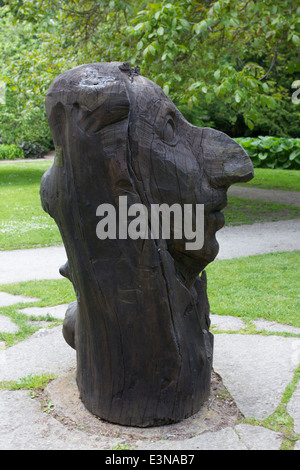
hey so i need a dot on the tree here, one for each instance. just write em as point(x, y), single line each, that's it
point(227, 55)
point(22, 117)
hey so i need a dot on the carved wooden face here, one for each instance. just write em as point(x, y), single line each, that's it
point(137, 143)
point(179, 162)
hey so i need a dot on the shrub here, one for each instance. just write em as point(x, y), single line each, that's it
point(32, 149)
point(272, 152)
point(10, 152)
point(28, 125)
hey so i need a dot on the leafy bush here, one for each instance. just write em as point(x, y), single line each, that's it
point(29, 125)
point(272, 152)
point(32, 149)
point(10, 152)
point(282, 121)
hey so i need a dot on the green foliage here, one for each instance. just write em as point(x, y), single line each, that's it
point(282, 121)
point(23, 116)
point(272, 152)
point(32, 149)
point(234, 61)
point(10, 152)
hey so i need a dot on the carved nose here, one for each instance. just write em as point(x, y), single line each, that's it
point(225, 161)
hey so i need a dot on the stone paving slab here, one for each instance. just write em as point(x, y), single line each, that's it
point(7, 325)
point(230, 323)
point(241, 437)
point(44, 352)
point(226, 322)
point(58, 311)
point(27, 427)
point(258, 437)
point(256, 369)
point(8, 299)
point(262, 324)
point(226, 439)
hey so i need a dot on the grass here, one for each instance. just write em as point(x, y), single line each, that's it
point(50, 293)
point(241, 211)
point(25, 326)
point(259, 286)
point(31, 382)
point(23, 223)
point(280, 420)
point(122, 447)
point(284, 180)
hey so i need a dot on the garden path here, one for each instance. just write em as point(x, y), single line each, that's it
point(254, 368)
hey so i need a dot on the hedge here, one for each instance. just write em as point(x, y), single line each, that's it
point(23, 150)
point(32, 149)
point(264, 151)
point(10, 152)
point(272, 152)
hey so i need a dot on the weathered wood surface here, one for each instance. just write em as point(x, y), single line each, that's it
point(140, 325)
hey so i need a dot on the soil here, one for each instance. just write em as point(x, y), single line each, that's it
point(61, 400)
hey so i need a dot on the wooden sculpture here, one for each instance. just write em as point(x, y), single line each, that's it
point(140, 325)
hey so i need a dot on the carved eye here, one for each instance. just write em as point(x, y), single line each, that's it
point(168, 131)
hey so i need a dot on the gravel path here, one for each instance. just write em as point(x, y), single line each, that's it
point(235, 241)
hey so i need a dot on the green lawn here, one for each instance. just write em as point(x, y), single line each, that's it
point(260, 286)
point(247, 211)
point(24, 224)
point(285, 180)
